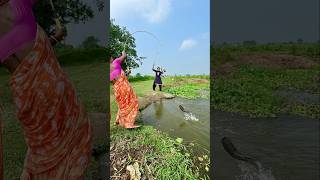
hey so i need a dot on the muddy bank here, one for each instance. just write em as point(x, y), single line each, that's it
point(275, 61)
point(152, 97)
point(149, 98)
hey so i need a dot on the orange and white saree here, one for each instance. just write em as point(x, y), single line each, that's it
point(127, 101)
point(56, 128)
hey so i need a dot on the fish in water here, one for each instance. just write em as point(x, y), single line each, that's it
point(182, 109)
point(188, 115)
point(233, 152)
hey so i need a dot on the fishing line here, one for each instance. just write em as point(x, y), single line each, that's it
point(141, 31)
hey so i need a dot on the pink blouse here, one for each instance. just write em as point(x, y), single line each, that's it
point(117, 69)
point(23, 31)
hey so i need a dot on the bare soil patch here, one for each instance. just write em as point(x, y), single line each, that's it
point(277, 61)
point(266, 60)
point(183, 81)
point(152, 97)
point(122, 156)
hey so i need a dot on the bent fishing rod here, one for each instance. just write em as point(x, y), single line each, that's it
point(139, 31)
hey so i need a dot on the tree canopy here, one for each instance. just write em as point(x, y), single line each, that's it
point(120, 39)
point(74, 11)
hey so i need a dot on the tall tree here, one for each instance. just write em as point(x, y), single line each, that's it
point(120, 39)
point(74, 11)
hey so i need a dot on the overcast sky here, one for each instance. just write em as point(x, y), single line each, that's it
point(93, 27)
point(264, 20)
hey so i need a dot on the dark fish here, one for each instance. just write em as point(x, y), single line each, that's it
point(233, 152)
point(182, 109)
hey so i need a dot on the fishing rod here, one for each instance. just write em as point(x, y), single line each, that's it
point(140, 31)
point(56, 16)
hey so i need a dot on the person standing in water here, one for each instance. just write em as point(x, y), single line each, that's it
point(56, 128)
point(157, 80)
point(125, 96)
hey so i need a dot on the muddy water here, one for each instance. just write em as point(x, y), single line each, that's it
point(285, 147)
point(193, 127)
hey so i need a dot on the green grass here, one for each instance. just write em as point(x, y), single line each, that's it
point(189, 91)
point(182, 86)
point(89, 81)
point(172, 162)
point(79, 56)
point(140, 78)
point(250, 91)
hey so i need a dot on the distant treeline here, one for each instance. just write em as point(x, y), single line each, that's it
point(88, 43)
point(78, 56)
point(87, 52)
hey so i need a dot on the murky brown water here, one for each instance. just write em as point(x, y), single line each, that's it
point(285, 147)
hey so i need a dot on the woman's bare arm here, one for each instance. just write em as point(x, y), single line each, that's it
point(59, 33)
point(123, 56)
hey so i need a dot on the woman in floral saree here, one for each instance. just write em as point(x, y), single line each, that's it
point(125, 96)
point(56, 128)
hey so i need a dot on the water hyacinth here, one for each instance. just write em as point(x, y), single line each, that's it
point(179, 140)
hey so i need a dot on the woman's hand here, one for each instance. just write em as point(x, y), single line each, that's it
point(59, 31)
point(59, 34)
point(124, 55)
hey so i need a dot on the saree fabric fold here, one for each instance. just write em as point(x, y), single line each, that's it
point(127, 102)
point(56, 128)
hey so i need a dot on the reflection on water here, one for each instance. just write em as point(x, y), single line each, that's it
point(286, 147)
point(193, 127)
point(158, 109)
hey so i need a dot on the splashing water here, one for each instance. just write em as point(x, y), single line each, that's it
point(249, 172)
point(190, 116)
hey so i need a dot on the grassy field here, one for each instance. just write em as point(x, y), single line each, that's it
point(164, 158)
point(88, 77)
point(247, 78)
